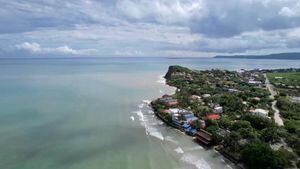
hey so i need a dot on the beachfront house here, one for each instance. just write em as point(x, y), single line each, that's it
point(169, 101)
point(204, 137)
point(189, 117)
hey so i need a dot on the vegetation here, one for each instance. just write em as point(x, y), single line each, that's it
point(245, 136)
point(287, 83)
point(259, 155)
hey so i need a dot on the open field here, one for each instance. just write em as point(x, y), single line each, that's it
point(288, 79)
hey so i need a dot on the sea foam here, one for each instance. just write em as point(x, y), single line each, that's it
point(199, 163)
point(161, 79)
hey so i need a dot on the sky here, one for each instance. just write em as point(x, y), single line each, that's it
point(148, 28)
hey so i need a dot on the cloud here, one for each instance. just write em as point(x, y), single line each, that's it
point(286, 11)
point(32, 47)
point(147, 28)
point(162, 11)
point(65, 50)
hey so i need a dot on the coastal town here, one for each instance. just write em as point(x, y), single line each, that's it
point(252, 117)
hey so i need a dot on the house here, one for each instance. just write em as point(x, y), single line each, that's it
point(218, 109)
point(189, 117)
point(167, 97)
point(172, 102)
point(206, 95)
point(213, 116)
point(260, 112)
point(169, 100)
point(256, 99)
point(175, 120)
point(189, 129)
point(165, 111)
point(202, 124)
point(233, 90)
point(254, 82)
point(174, 110)
point(195, 97)
point(204, 137)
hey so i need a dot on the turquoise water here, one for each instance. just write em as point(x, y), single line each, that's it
point(92, 114)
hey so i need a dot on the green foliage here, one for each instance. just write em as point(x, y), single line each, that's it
point(294, 142)
point(270, 134)
point(225, 122)
point(211, 129)
point(241, 124)
point(231, 142)
point(260, 156)
point(210, 122)
point(288, 109)
point(292, 78)
point(258, 122)
point(231, 103)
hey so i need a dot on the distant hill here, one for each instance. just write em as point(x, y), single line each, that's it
point(288, 56)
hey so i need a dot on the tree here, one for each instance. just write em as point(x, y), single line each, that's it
point(257, 122)
point(270, 134)
point(241, 124)
point(259, 155)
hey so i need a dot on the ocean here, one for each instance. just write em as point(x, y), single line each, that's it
point(92, 113)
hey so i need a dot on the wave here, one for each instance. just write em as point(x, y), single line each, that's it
point(199, 163)
point(147, 101)
point(140, 114)
point(198, 147)
point(132, 118)
point(161, 79)
point(179, 150)
point(145, 116)
point(171, 139)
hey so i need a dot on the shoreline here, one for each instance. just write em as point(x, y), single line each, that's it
point(226, 156)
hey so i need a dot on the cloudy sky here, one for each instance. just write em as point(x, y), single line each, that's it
point(107, 28)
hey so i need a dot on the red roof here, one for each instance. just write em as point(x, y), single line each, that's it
point(213, 116)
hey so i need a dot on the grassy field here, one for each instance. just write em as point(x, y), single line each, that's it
point(289, 79)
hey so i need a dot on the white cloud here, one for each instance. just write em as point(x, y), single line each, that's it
point(147, 28)
point(129, 52)
point(163, 11)
point(34, 47)
point(286, 11)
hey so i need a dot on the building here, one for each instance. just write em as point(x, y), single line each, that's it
point(204, 137)
point(213, 116)
point(195, 97)
point(218, 109)
point(233, 90)
point(254, 82)
point(260, 112)
point(165, 111)
point(169, 100)
point(189, 117)
point(170, 103)
point(206, 95)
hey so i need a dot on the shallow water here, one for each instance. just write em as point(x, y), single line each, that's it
point(92, 113)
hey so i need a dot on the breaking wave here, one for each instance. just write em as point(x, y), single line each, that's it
point(199, 163)
point(161, 79)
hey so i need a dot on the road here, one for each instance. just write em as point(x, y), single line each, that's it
point(277, 118)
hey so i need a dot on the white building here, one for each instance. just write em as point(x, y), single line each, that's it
point(206, 95)
point(261, 112)
point(218, 109)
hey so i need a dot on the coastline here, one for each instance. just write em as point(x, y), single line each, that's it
point(207, 106)
point(230, 159)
